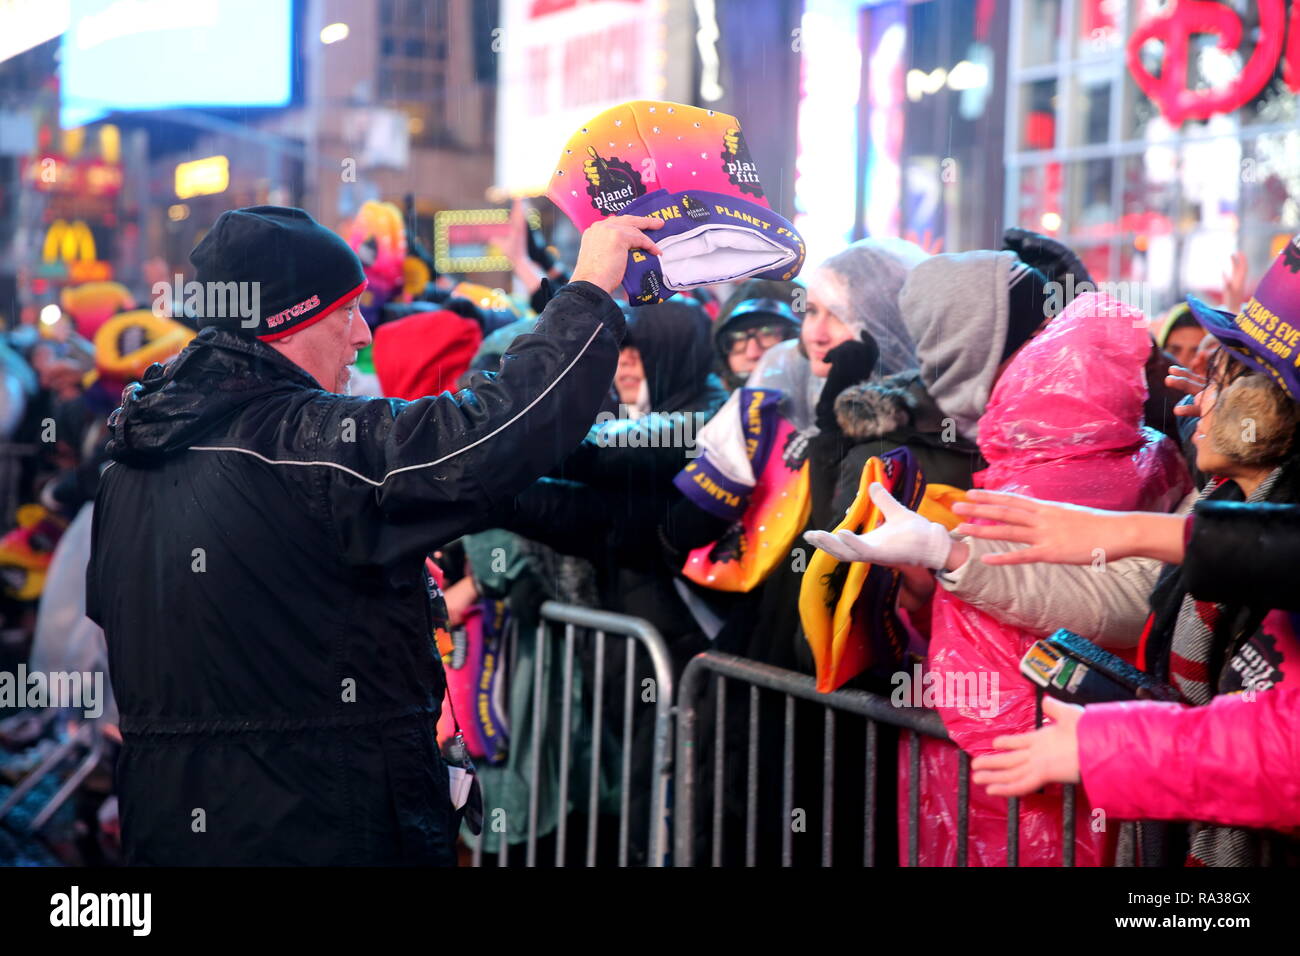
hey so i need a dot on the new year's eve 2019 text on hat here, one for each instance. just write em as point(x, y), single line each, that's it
point(1265, 334)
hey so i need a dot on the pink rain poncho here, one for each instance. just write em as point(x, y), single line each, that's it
point(1063, 423)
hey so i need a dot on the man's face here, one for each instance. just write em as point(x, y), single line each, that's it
point(821, 331)
point(629, 375)
point(746, 343)
point(1182, 343)
point(327, 349)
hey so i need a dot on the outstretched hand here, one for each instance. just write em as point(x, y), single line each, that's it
point(602, 257)
point(1056, 533)
point(1029, 761)
point(904, 537)
point(1070, 534)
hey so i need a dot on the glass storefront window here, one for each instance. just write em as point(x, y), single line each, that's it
point(1040, 32)
point(1091, 206)
point(1099, 27)
point(1270, 181)
point(1038, 115)
point(1206, 259)
point(1210, 180)
point(1090, 117)
point(1039, 204)
point(1149, 185)
point(1096, 258)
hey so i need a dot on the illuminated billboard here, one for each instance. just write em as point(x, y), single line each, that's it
point(159, 54)
point(563, 62)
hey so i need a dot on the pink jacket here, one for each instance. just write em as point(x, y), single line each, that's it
point(1235, 761)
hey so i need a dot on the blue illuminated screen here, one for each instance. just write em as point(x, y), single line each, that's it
point(165, 54)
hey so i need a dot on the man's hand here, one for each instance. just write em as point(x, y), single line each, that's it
point(602, 257)
point(1188, 382)
point(1028, 761)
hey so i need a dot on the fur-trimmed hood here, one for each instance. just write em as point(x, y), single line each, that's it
point(897, 406)
point(872, 409)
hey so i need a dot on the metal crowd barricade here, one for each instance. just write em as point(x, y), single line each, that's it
point(604, 627)
point(875, 709)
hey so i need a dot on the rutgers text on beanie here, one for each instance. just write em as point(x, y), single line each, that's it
point(302, 270)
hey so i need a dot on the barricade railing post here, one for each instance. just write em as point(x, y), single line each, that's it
point(683, 806)
point(963, 806)
point(787, 785)
point(869, 788)
point(1067, 827)
point(597, 728)
point(636, 632)
point(566, 733)
point(828, 782)
point(719, 768)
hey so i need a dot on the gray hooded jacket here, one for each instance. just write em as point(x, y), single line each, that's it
point(955, 307)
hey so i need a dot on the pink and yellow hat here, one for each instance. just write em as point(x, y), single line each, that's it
point(691, 168)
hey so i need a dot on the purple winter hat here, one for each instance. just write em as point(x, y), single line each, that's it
point(1265, 334)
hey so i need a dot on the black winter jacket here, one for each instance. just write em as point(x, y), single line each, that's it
point(257, 567)
point(877, 417)
point(1244, 554)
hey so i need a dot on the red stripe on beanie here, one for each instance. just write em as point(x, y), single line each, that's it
point(272, 336)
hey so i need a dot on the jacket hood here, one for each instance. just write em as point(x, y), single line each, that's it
point(861, 284)
point(424, 353)
point(176, 405)
point(955, 307)
point(1065, 420)
point(673, 339)
point(898, 407)
point(874, 409)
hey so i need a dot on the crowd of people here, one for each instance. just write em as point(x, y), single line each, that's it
point(899, 461)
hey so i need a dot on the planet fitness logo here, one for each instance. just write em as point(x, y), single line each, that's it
point(611, 183)
point(738, 164)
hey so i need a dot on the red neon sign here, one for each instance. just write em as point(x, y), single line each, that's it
point(1176, 24)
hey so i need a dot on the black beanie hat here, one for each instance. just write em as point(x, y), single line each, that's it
point(301, 271)
point(1026, 306)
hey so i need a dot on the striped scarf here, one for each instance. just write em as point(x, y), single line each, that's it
point(1189, 667)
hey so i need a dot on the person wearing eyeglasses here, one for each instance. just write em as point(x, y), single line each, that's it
point(756, 317)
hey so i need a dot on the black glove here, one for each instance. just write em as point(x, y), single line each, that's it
point(537, 250)
point(851, 362)
point(545, 292)
point(1053, 259)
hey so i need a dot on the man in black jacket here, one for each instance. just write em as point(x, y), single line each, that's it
point(257, 557)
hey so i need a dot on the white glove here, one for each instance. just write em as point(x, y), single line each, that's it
point(904, 538)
